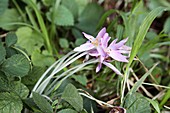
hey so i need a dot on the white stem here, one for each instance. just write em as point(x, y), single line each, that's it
point(72, 71)
point(60, 66)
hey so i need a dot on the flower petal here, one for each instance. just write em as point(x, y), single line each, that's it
point(94, 52)
point(101, 51)
point(101, 33)
point(124, 47)
point(112, 67)
point(105, 40)
point(113, 43)
point(117, 56)
point(99, 66)
point(84, 47)
point(121, 43)
point(89, 37)
point(123, 51)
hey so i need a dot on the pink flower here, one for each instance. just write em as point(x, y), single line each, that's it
point(93, 43)
point(99, 48)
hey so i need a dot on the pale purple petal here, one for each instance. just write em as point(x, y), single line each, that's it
point(124, 47)
point(89, 37)
point(85, 47)
point(123, 51)
point(117, 56)
point(94, 52)
point(101, 33)
point(112, 44)
point(102, 59)
point(99, 66)
point(112, 67)
point(101, 51)
point(105, 40)
point(121, 43)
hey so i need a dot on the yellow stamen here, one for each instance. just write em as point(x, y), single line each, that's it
point(95, 42)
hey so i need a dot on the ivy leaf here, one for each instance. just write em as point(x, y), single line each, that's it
point(81, 79)
point(72, 6)
point(72, 96)
point(42, 103)
point(3, 6)
point(20, 89)
point(3, 82)
point(67, 111)
point(80, 41)
point(2, 52)
point(63, 43)
point(81, 5)
point(10, 103)
point(62, 16)
point(33, 75)
point(10, 39)
point(16, 87)
point(87, 20)
point(137, 103)
point(29, 39)
point(16, 66)
point(10, 52)
point(42, 59)
point(8, 18)
point(48, 2)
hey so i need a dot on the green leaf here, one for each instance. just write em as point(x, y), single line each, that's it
point(80, 41)
point(10, 52)
point(3, 6)
point(48, 2)
point(120, 30)
point(81, 5)
point(42, 59)
point(166, 27)
point(81, 79)
point(72, 6)
point(10, 103)
point(9, 16)
point(20, 89)
point(2, 52)
point(16, 66)
point(10, 39)
point(136, 103)
point(42, 103)
point(72, 96)
point(33, 75)
point(165, 98)
point(62, 16)
point(87, 22)
point(29, 39)
point(3, 82)
point(16, 87)
point(140, 81)
point(154, 104)
point(104, 16)
point(77, 33)
point(63, 43)
point(67, 111)
point(143, 31)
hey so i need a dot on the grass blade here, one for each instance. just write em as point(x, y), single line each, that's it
point(143, 30)
point(139, 83)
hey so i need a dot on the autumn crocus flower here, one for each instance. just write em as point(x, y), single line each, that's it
point(99, 48)
point(115, 51)
point(93, 43)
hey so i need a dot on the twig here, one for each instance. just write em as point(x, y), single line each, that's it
point(3, 35)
